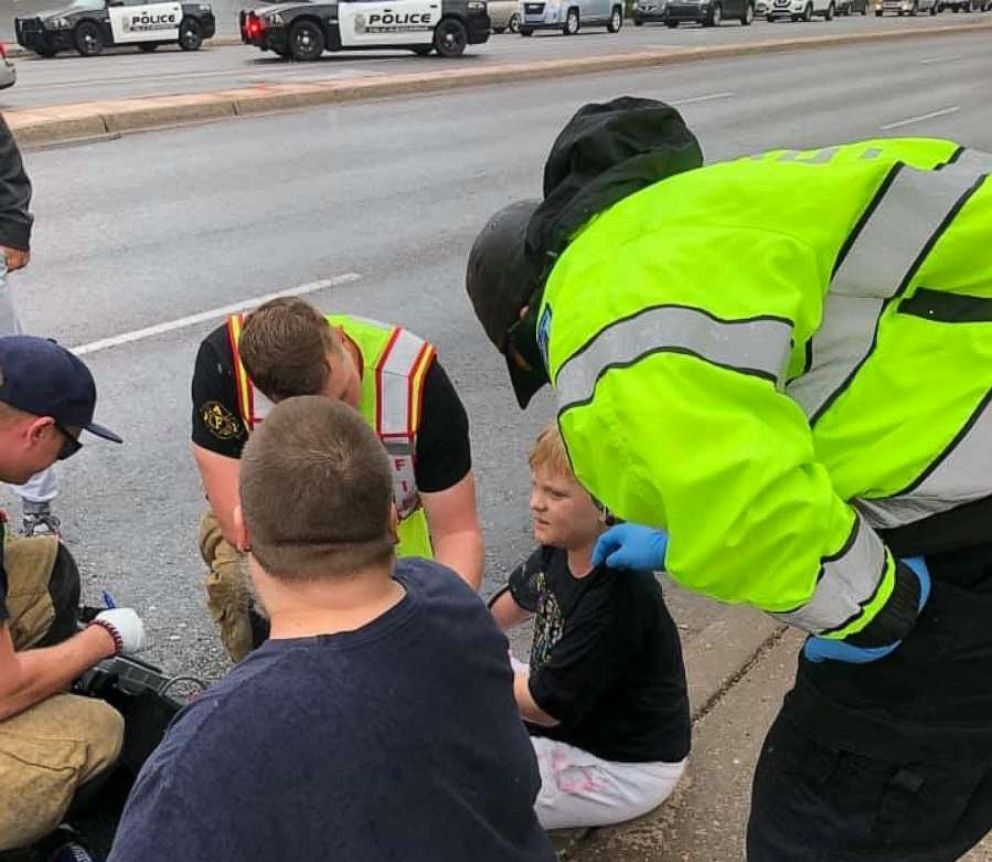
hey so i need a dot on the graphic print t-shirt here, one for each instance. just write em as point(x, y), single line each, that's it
point(605, 661)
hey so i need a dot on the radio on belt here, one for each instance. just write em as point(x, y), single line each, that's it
point(303, 30)
point(88, 26)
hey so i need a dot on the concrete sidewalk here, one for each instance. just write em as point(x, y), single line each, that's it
point(705, 820)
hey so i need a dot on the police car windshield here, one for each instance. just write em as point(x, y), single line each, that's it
point(86, 5)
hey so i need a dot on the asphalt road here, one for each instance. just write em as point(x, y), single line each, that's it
point(128, 73)
point(152, 228)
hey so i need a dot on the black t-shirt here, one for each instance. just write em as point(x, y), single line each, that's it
point(399, 740)
point(606, 660)
point(443, 455)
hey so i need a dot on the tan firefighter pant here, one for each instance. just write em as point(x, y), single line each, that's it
point(50, 750)
point(228, 595)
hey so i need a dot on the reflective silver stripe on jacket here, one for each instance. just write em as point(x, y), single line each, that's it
point(393, 378)
point(756, 346)
point(972, 160)
point(879, 264)
point(961, 474)
point(847, 583)
point(394, 382)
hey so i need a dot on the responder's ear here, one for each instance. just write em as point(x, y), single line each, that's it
point(37, 428)
point(241, 537)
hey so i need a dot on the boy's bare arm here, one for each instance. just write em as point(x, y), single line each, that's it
point(507, 613)
point(529, 710)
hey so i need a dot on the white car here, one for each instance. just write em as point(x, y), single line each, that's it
point(569, 15)
point(8, 74)
point(800, 10)
point(905, 7)
point(504, 15)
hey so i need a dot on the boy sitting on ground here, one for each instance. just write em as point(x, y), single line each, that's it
point(376, 722)
point(604, 696)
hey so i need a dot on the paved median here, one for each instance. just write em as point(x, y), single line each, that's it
point(88, 120)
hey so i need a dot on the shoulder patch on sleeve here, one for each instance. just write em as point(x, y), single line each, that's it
point(220, 421)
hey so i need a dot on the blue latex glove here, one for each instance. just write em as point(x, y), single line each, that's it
point(631, 546)
point(821, 649)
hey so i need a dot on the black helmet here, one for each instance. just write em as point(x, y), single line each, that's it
point(501, 281)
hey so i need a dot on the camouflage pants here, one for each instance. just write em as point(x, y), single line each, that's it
point(228, 595)
point(49, 751)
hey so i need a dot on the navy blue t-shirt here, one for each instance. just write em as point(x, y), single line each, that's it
point(398, 741)
point(3, 579)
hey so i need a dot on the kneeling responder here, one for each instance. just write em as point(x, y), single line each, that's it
point(287, 348)
point(789, 357)
point(51, 743)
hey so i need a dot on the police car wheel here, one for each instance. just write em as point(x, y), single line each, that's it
point(514, 25)
point(306, 41)
point(148, 47)
point(89, 39)
point(450, 38)
point(190, 34)
point(616, 20)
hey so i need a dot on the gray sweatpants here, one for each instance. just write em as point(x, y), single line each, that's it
point(42, 487)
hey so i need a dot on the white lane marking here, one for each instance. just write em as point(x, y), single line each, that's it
point(695, 99)
point(223, 311)
point(945, 59)
point(943, 112)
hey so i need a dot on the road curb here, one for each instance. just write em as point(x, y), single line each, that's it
point(60, 123)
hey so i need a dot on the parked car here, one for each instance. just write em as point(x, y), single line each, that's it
point(303, 30)
point(905, 7)
point(709, 13)
point(8, 74)
point(88, 26)
point(800, 10)
point(570, 15)
point(504, 15)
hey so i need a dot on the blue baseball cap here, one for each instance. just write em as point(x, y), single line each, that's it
point(42, 378)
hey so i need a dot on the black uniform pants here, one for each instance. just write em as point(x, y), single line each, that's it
point(814, 802)
point(891, 761)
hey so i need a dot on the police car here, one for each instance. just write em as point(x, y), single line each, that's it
point(88, 26)
point(303, 30)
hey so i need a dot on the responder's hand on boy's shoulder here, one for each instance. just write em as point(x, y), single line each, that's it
point(631, 546)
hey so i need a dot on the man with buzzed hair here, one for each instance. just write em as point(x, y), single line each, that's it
point(377, 722)
point(287, 348)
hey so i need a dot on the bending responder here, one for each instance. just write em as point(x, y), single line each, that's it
point(51, 743)
point(781, 365)
point(38, 492)
point(287, 348)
